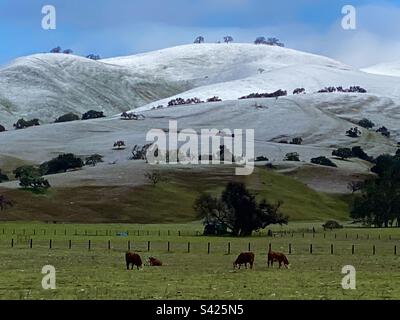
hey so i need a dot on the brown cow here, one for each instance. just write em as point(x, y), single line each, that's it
point(134, 259)
point(155, 262)
point(278, 257)
point(244, 258)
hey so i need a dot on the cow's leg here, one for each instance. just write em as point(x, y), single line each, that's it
point(251, 265)
point(127, 265)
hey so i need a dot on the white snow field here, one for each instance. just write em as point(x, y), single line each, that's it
point(48, 85)
point(387, 69)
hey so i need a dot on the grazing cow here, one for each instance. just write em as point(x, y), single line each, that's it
point(244, 258)
point(278, 257)
point(134, 259)
point(155, 262)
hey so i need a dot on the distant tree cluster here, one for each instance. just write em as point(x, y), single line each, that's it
point(269, 41)
point(228, 39)
point(353, 89)
point(132, 116)
point(22, 124)
point(2, 129)
point(299, 91)
point(355, 152)
point(199, 39)
point(275, 94)
point(93, 56)
point(140, 152)
point(180, 101)
point(353, 132)
point(93, 114)
point(3, 177)
point(60, 50)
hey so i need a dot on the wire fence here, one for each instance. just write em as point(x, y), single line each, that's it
point(219, 247)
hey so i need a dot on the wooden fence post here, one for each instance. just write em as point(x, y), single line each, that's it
point(109, 244)
point(311, 248)
point(290, 248)
point(69, 244)
point(129, 245)
point(395, 250)
point(373, 250)
point(229, 248)
point(249, 246)
point(332, 248)
point(208, 248)
point(188, 247)
point(168, 246)
point(31, 243)
point(352, 249)
point(50, 244)
point(12, 243)
point(148, 245)
point(89, 244)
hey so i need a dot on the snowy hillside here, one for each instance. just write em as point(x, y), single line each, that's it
point(49, 85)
point(46, 86)
point(388, 69)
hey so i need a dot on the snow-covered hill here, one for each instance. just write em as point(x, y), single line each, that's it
point(387, 69)
point(47, 86)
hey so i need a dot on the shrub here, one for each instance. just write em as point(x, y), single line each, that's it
point(332, 224)
point(365, 123)
point(92, 114)
point(384, 131)
point(323, 161)
point(67, 117)
point(342, 153)
point(353, 132)
point(292, 156)
point(199, 39)
point(22, 124)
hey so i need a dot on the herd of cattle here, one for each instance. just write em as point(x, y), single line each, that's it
point(245, 258)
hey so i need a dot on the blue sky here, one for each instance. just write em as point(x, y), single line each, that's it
point(122, 27)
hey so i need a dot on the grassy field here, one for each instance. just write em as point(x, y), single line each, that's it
point(100, 273)
point(170, 201)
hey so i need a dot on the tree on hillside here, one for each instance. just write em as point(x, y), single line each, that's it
point(379, 202)
point(68, 51)
point(323, 161)
point(366, 123)
point(260, 40)
point(199, 39)
point(56, 50)
point(238, 211)
point(93, 56)
point(353, 132)
point(62, 163)
point(292, 156)
point(228, 39)
point(342, 153)
point(31, 177)
point(2, 129)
